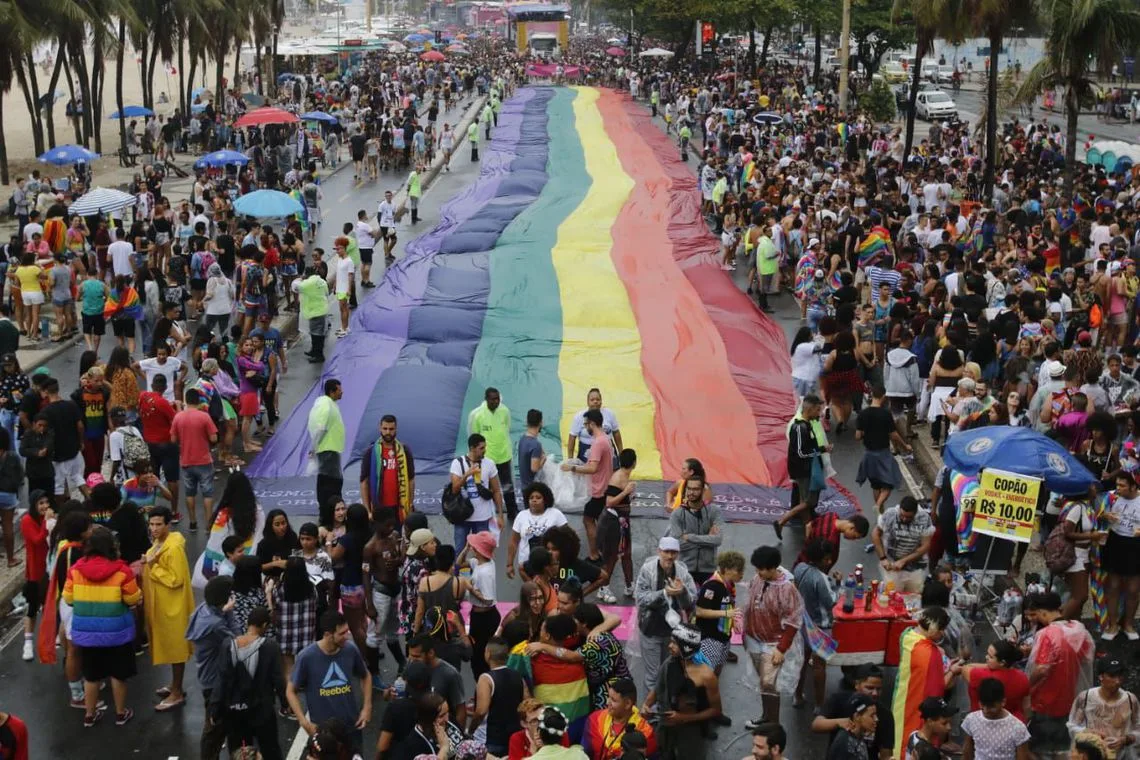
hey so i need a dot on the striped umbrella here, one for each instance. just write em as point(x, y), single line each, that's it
point(102, 200)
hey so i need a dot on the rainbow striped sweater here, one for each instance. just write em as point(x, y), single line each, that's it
point(101, 593)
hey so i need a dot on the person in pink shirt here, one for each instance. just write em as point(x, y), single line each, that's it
point(194, 433)
point(1072, 426)
point(599, 467)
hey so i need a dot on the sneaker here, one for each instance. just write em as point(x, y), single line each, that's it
point(29, 654)
point(79, 704)
point(1131, 635)
point(177, 518)
point(753, 724)
point(1108, 635)
point(91, 720)
point(124, 717)
point(629, 590)
point(604, 595)
point(341, 333)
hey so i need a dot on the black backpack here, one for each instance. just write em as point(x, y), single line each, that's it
point(242, 696)
point(457, 506)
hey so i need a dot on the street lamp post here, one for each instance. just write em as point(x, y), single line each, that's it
point(844, 55)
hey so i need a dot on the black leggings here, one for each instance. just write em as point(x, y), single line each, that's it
point(268, 397)
point(483, 627)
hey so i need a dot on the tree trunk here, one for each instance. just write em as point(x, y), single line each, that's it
point(236, 84)
point(1072, 117)
point(752, 48)
point(188, 92)
point(120, 55)
point(84, 90)
point(818, 31)
point(991, 116)
point(764, 50)
point(182, 104)
point(71, 93)
point(4, 178)
point(144, 55)
point(33, 107)
point(257, 67)
point(34, 88)
point(51, 89)
point(148, 83)
point(220, 75)
point(98, 77)
point(912, 98)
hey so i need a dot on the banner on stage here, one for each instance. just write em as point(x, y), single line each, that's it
point(1005, 505)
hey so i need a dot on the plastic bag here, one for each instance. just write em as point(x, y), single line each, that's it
point(571, 492)
point(789, 674)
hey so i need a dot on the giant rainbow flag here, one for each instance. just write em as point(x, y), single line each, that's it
point(579, 258)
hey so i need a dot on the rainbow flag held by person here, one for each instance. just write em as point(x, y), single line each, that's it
point(963, 487)
point(562, 685)
point(844, 133)
point(872, 248)
point(1052, 257)
point(123, 303)
point(519, 661)
point(921, 675)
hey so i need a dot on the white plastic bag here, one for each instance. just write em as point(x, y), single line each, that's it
point(571, 492)
point(789, 675)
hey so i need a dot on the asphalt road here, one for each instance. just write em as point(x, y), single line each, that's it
point(971, 103)
point(37, 693)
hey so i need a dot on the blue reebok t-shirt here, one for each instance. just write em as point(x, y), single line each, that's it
point(327, 682)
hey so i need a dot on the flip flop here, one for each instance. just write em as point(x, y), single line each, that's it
point(165, 706)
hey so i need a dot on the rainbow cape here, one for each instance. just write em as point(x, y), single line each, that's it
point(562, 685)
point(921, 675)
point(519, 661)
point(963, 486)
point(872, 248)
point(844, 133)
point(123, 303)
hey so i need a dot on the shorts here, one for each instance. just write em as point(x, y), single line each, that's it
point(32, 297)
point(807, 496)
point(594, 507)
point(342, 296)
point(117, 662)
point(612, 534)
point(164, 457)
point(66, 613)
point(761, 654)
point(352, 597)
point(254, 307)
point(123, 328)
point(385, 625)
point(388, 233)
point(1121, 555)
point(1048, 735)
point(196, 284)
point(365, 255)
point(198, 478)
point(34, 595)
point(248, 404)
point(1113, 319)
point(68, 475)
point(62, 304)
point(94, 324)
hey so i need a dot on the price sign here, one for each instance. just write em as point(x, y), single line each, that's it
point(1005, 505)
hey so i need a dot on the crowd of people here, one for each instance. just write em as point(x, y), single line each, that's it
point(923, 303)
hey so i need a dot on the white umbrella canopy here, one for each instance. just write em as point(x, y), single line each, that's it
point(656, 53)
point(102, 200)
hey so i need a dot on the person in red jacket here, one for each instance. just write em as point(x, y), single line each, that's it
point(13, 738)
point(34, 528)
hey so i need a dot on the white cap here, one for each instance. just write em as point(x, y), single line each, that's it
point(813, 242)
point(669, 544)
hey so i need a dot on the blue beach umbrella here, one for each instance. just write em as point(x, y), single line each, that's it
point(267, 204)
point(221, 158)
point(318, 116)
point(62, 155)
point(132, 112)
point(1019, 450)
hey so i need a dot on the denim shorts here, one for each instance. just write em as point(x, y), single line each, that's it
point(198, 478)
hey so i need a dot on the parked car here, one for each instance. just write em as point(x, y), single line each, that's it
point(935, 104)
point(945, 75)
point(902, 94)
point(893, 73)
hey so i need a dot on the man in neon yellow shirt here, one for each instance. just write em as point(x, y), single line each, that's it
point(473, 138)
point(767, 264)
point(313, 294)
point(486, 117)
point(415, 191)
point(326, 431)
point(492, 420)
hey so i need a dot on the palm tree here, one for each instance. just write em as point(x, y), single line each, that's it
point(992, 19)
point(931, 19)
point(1082, 35)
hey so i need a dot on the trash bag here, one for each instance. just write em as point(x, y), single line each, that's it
point(571, 492)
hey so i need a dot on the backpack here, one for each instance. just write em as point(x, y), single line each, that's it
point(1059, 552)
point(12, 205)
point(457, 506)
point(251, 282)
point(135, 449)
point(242, 697)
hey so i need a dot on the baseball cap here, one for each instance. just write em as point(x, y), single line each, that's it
point(419, 539)
point(1109, 666)
point(669, 544)
point(813, 243)
point(935, 707)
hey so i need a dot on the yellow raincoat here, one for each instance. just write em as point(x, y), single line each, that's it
point(168, 600)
